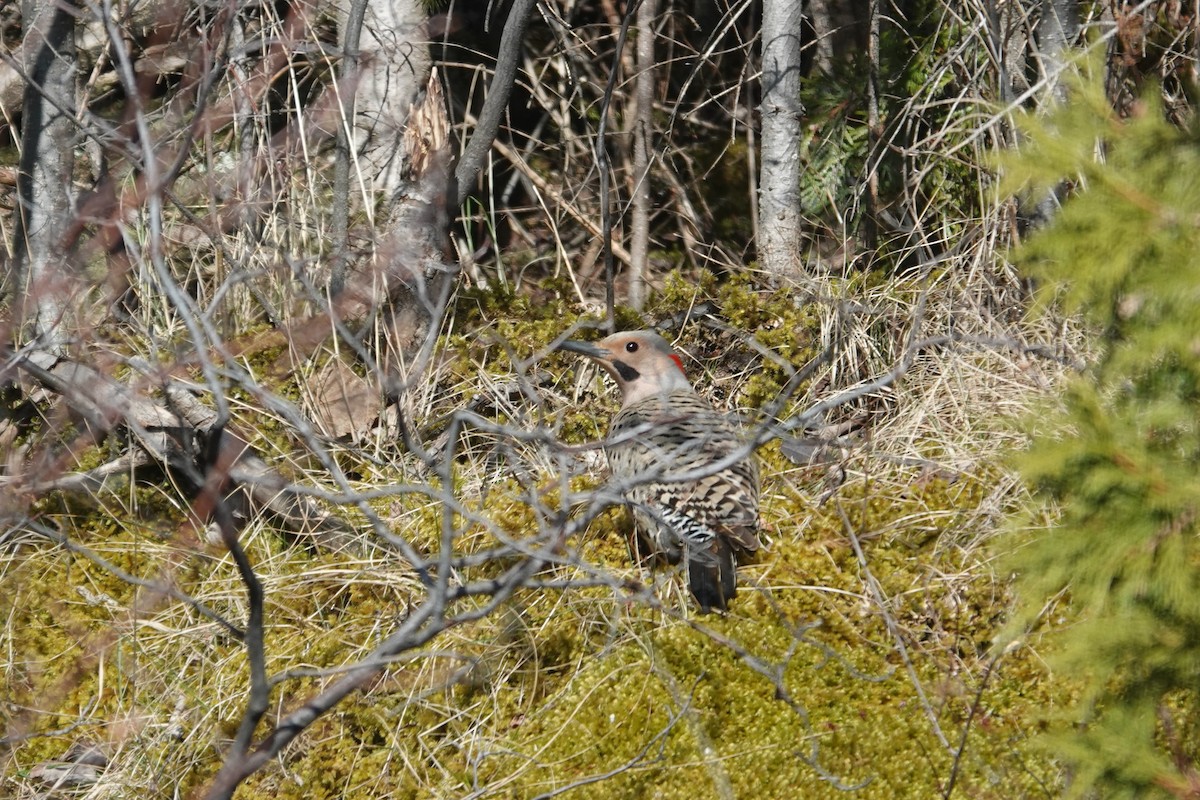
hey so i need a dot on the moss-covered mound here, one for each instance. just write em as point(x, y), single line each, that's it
point(858, 654)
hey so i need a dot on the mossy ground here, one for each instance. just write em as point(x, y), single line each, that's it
point(829, 669)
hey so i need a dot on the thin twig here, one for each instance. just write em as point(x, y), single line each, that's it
point(511, 42)
point(893, 627)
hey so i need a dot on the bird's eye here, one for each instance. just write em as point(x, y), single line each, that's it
point(631, 347)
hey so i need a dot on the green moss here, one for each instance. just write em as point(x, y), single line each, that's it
point(672, 702)
point(561, 687)
point(556, 686)
point(661, 694)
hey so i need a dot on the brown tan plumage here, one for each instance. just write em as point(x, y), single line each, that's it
point(687, 472)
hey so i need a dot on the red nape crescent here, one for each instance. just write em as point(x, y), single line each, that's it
point(678, 362)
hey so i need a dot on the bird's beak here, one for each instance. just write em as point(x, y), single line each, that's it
point(583, 348)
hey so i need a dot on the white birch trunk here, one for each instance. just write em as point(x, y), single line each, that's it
point(393, 67)
point(779, 221)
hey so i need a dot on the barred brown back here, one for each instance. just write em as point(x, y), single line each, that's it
point(668, 454)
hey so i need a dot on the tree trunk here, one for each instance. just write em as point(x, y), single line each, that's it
point(46, 166)
point(779, 222)
point(393, 65)
point(841, 30)
point(643, 122)
point(1057, 30)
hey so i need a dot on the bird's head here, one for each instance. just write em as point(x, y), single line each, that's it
point(641, 362)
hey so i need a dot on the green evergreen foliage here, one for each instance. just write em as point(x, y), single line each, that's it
point(1117, 458)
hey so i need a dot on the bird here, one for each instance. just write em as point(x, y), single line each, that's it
point(689, 475)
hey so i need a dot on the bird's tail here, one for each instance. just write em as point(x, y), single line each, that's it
point(711, 575)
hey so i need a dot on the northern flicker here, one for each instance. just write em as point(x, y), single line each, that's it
point(675, 458)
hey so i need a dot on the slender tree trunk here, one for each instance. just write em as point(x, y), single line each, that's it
point(841, 30)
point(1057, 30)
point(874, 129)
point(385, 65)
point(393, 67)
point(46, 166)
point(642, 133)
point(781, 110)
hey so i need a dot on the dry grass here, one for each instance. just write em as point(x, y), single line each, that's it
point(947, 419)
